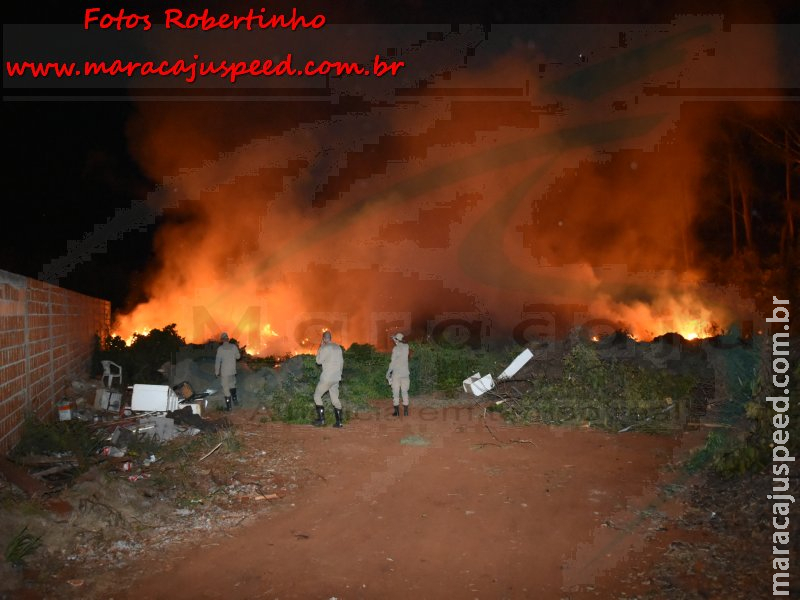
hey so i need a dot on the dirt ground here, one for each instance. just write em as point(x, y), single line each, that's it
point(445, 503)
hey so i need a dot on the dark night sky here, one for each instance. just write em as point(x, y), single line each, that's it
point(67, 163)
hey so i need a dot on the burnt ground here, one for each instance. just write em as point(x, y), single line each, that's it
point(446, 503)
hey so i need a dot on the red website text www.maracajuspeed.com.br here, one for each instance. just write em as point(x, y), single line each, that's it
point(191, 70)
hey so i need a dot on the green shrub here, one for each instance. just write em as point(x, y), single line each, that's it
point(292, 401)
point(442, 369)
point(364, 376)
point(748, 446)
point(609, 395)
point(21, 547)
point(141, 359)
point(289, 407)
point(74, 437)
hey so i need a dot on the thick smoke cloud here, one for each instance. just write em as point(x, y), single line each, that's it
point(523, 167)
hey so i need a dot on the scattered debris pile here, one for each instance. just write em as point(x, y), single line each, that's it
point(478, 385)
point(79, 495)
point(614, 383)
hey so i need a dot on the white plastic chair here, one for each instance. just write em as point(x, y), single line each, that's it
point(111, 370)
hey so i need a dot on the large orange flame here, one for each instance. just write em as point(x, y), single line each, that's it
point(384, 218)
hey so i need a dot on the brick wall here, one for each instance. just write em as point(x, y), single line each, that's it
point(46, 341)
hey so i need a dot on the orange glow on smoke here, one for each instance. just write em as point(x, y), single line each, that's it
point(410, 212)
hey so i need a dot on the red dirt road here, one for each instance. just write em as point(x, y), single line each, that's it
point(434, 505)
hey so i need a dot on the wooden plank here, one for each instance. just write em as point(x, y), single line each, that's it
point(32, 486)
point(20, 478)
point(39, 461)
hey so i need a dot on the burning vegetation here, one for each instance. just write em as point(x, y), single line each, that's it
point(652, 214)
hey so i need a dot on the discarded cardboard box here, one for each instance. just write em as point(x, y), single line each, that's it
point(184, 390)
point(159, 428)
point(516, 365)
point(187, 394)
point(197, 408)
point(478, 385)
point(107, 400)
point(153, 398)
